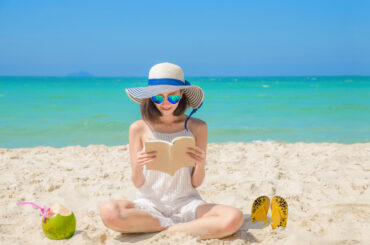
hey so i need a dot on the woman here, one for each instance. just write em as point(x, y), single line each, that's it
point(167, 202)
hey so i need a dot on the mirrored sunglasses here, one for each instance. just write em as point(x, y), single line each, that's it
point(173, 99)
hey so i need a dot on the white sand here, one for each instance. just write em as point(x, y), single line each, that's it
point(326, 186)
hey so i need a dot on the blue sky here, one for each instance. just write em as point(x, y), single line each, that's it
point(206, 38)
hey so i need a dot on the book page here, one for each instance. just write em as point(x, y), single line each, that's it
point(162, 161)
point(179, 158)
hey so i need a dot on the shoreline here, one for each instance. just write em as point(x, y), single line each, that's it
point(326, 186)
point(258, 142)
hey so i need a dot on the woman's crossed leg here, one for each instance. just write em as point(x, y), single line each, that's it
point(212, 220)
point(122, 216)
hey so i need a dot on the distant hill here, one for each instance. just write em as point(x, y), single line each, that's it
point(80, 74)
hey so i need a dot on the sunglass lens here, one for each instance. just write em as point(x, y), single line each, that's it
point(174, 99)
point(157, 99)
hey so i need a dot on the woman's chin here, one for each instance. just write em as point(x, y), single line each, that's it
point(166, 112)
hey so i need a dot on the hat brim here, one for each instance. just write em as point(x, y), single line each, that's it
point(194, 94)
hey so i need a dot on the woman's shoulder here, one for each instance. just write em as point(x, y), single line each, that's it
point(197, 125)
point(137, 126)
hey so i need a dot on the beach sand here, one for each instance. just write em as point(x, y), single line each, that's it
point(326, 186)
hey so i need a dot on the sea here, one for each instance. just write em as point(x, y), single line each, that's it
point(65, 111)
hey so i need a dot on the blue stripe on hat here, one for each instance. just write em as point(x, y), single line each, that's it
point(164, 81)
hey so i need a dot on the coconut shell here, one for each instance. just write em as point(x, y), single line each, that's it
point(59, 226)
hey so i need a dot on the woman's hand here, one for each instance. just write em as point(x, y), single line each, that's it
point(198, 154)
point(143, 158)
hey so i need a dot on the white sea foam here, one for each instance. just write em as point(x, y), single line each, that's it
point(266, 142)
point(262, 142)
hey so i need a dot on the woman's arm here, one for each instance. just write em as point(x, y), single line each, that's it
point(200, 131)
point(135, 146)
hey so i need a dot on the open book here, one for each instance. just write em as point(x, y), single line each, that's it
point(170, 156)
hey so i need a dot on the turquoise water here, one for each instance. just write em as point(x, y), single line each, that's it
point(61, 111)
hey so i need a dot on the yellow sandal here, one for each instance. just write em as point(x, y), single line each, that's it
point(279, 212)
point(260, 209)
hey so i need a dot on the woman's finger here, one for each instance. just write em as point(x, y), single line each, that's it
point(194, 156)
point(197, 150)
point(150, 155)
point(198, 154)
point(193, 151)
point(146, 155)
point(200, 150)
point(146, 162)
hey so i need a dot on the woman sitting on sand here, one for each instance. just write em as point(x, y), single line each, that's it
point(168, 202)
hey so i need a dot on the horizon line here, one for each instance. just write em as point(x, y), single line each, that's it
point(205, 76)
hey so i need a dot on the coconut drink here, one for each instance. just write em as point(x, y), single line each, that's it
point(57, 222)
point(60, 223)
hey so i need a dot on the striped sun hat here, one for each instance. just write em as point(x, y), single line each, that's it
point(165, 77)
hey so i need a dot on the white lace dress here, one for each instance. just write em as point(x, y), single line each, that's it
point(170, 199)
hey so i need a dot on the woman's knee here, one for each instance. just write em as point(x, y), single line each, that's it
point(233, 219)
point(109, 212)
